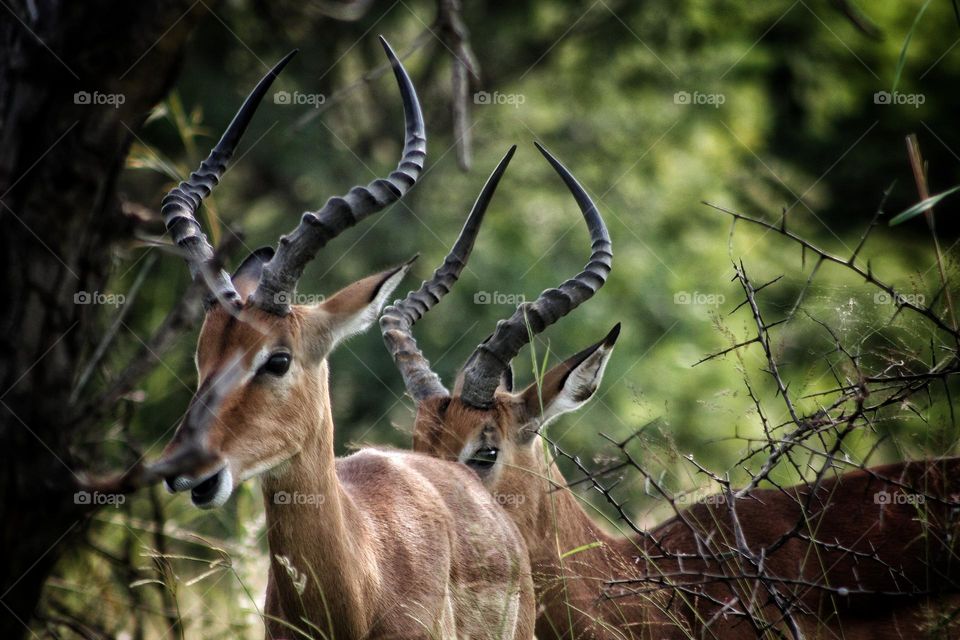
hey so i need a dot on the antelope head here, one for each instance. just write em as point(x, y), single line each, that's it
point(484, 422)
point(262, 359)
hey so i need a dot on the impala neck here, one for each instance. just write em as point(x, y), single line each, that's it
point(313, 523)
point(575, 582)
point(562, 526)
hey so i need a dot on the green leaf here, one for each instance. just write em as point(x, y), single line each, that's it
point(583, 547)
point(922, 206)
point(906, 45)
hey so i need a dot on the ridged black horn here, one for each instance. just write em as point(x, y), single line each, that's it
point(278, 283)
point(180, 205)
point(398, 319)
point(481, 374)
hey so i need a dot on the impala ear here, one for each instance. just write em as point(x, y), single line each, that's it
point(356, 307)
point(247, 275)
point(570, 384)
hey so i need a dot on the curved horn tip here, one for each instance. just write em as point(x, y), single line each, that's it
point(505, 160)
point(552, 159)
point(566, 175)
point(598, 228)
point(611, 338)
point(486, 194)
point(389, 50)
point(284, 60)
point(493, 180)
point(407, 90)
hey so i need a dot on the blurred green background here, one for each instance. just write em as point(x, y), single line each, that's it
point(655, 106)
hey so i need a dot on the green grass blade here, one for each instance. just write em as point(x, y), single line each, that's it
point(901, 62)
point(922, 206)
point(583, 547)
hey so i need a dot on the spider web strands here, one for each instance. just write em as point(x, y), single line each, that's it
point(850, 263)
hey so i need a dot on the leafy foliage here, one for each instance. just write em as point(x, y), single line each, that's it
point(774, 110)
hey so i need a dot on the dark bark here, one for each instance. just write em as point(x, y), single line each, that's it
point(59, 219)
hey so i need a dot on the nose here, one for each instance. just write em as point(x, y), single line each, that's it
point(176, 484)
point(175, 459)
point(206, 491)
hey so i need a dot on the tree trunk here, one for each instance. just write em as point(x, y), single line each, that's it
point(76, 80)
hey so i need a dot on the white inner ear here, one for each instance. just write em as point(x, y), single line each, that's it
point(363, 319)
point(580, 385)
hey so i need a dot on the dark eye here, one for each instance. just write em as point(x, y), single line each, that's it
point(277, 365)
point(483, 458)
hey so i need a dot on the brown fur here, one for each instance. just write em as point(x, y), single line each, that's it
point(392, 544)
point(571, 590)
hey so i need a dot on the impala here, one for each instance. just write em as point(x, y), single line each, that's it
point(380, 544)
point(840, 558)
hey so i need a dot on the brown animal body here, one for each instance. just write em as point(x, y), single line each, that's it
point(380, 544)
point(858, 555)
point(390, 544)
point(847, 565)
